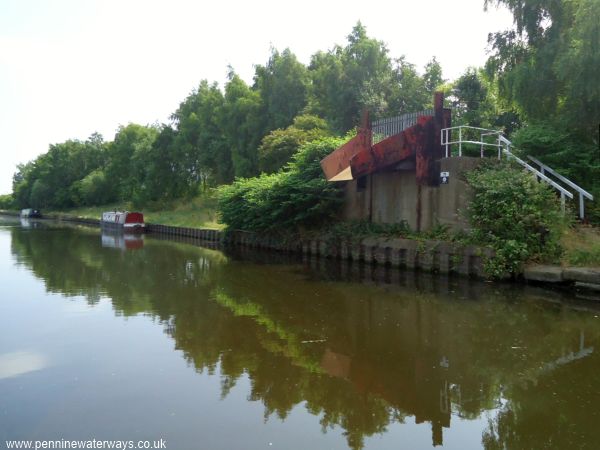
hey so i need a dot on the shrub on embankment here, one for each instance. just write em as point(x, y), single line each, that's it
point(7, 202)
point(520, 218)
point(298, 196)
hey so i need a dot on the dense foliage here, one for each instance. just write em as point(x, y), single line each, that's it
point(295, 197)
point(6, 202)
point(239, 130)
point(547, 68)
point(277, 148)
point(517, 216)
point(539, 86)
point(52, 178)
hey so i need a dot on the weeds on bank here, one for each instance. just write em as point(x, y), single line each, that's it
point(581, 246)
point(353, 232)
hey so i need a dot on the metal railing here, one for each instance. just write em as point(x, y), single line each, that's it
point(470, 135)
point(390, 126)
point(582, 192)
point(496, 139)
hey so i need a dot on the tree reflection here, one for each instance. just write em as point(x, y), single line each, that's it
point(361, 356)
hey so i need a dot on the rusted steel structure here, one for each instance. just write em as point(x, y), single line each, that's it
point(417, 144)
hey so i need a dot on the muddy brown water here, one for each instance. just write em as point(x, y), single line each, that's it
point(113, 337)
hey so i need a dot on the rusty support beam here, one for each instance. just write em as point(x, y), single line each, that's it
point(431, 149)
point(336, 165)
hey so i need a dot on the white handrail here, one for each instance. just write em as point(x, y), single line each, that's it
point(504, 147)
point(582, 192)
point(562, 178)
point(539, 174)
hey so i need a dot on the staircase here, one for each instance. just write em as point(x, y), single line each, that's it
point(455, 138)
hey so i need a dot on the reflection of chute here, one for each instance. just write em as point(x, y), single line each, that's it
point(123, 241)
point(336, 364)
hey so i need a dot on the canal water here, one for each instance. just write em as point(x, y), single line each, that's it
point(122, 338)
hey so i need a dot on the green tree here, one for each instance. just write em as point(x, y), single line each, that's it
point(22, 184)
point(277, 148)
point(347, 79)
point(93, 189)
point(283, 87)
point(469, 97)
point(433, 76)
point(241, 123)
point(578, 67)
point(548, 64)
point(408, 90)
point(7, 201)
point(163, 178)
point(327, 92)
point(200, 135)
point(50, 180)
point(128, 158)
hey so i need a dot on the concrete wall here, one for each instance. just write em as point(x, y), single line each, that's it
point(395, 196)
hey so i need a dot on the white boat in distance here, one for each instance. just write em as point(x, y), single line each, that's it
point(125, 220)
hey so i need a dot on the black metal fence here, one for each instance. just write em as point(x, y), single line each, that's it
point(389, 126)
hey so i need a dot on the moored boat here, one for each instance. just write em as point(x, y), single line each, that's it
point(123, 220)
point(31, 213)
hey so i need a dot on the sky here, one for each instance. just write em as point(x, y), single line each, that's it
point(69, 68)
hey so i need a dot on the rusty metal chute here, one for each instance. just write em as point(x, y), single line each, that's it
point(417, 140)
point(336, 165)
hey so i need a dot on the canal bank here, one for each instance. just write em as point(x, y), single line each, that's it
point(434, 256)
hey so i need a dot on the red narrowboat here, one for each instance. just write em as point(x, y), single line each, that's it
point(124, 220)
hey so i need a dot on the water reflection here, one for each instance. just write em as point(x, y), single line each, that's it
point(120, 240)
point(362, 349)
point(18, 363)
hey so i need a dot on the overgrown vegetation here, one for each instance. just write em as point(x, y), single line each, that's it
point(296, 197)
point(354, 231)
point(581, 246)
point(518, 217)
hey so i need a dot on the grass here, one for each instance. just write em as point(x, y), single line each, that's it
point(198, 212)
point(581, 246)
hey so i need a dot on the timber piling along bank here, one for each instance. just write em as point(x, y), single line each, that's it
point(427, 255)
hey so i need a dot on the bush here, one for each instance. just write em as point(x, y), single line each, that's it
point(278, 147)
point(7, 201)
point(517, 216)
point(298, 196)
